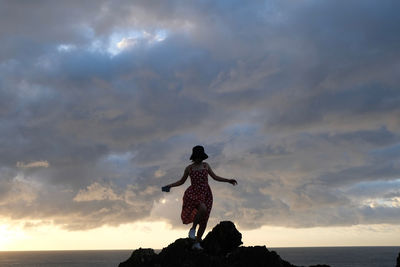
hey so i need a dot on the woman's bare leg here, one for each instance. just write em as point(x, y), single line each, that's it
point(201, 230)
point(201, 212)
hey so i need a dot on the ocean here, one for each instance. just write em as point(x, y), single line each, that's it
point(341, 256)
point(333, 256)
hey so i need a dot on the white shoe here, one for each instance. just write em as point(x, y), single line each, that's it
point(192, 233)
point(197, 246)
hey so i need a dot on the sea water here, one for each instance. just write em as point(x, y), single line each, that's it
point(333, 256)
point(341, 256)
point(77, 258)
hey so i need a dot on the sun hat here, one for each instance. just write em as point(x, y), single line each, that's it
point(198, 153)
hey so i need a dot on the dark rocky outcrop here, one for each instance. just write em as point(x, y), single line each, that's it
point(223, 239)
point(221, 249)
point(258, 256)
point(398, 261)
point(141, 257)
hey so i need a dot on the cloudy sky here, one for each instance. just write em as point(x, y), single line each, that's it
point(102, 101)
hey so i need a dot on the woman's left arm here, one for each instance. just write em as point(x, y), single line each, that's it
point(218, 178)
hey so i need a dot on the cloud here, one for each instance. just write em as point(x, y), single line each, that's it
point(17, 191)
point(96, 191)
point(297, 100)
point(34, 164)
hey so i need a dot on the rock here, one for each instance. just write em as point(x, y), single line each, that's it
point(223, 239)
point(180, 253)
point(140, 258)
point(257, 256)
point(398, 261)
point(221, 249)
point(320, 265)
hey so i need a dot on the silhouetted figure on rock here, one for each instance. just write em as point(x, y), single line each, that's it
point(198, 199)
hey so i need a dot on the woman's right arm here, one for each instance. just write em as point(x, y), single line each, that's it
point(182, 180)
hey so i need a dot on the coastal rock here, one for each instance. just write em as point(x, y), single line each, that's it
point(140, 258)
point(180, 253)
point(223, 239)
point(398, 261)
point(221, 249)
point(257, 256)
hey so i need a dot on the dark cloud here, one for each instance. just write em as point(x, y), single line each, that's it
point(299, 100)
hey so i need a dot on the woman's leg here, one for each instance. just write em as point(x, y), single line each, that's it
point(201, 230)
point(201, 212)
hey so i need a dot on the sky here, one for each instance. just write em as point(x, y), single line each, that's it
point(102, 101)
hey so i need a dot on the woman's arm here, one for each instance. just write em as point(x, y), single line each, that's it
point(182, 180)
point(218, 178)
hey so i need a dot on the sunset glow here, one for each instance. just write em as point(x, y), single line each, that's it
point(147, 235)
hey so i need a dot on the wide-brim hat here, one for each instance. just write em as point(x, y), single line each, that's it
point(198, 153)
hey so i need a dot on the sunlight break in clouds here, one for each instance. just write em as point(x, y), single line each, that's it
point(123, 41)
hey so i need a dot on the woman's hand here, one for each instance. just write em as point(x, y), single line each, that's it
point(165, 188)
point(232, 181)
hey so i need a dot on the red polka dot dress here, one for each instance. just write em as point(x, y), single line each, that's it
point(198, 192)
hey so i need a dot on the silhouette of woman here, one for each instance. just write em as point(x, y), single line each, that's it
point(198, 199)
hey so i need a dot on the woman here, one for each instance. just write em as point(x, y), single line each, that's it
point(198, 199)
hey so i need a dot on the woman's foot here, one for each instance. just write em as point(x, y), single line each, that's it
point(192, 233)
point(197, 246)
